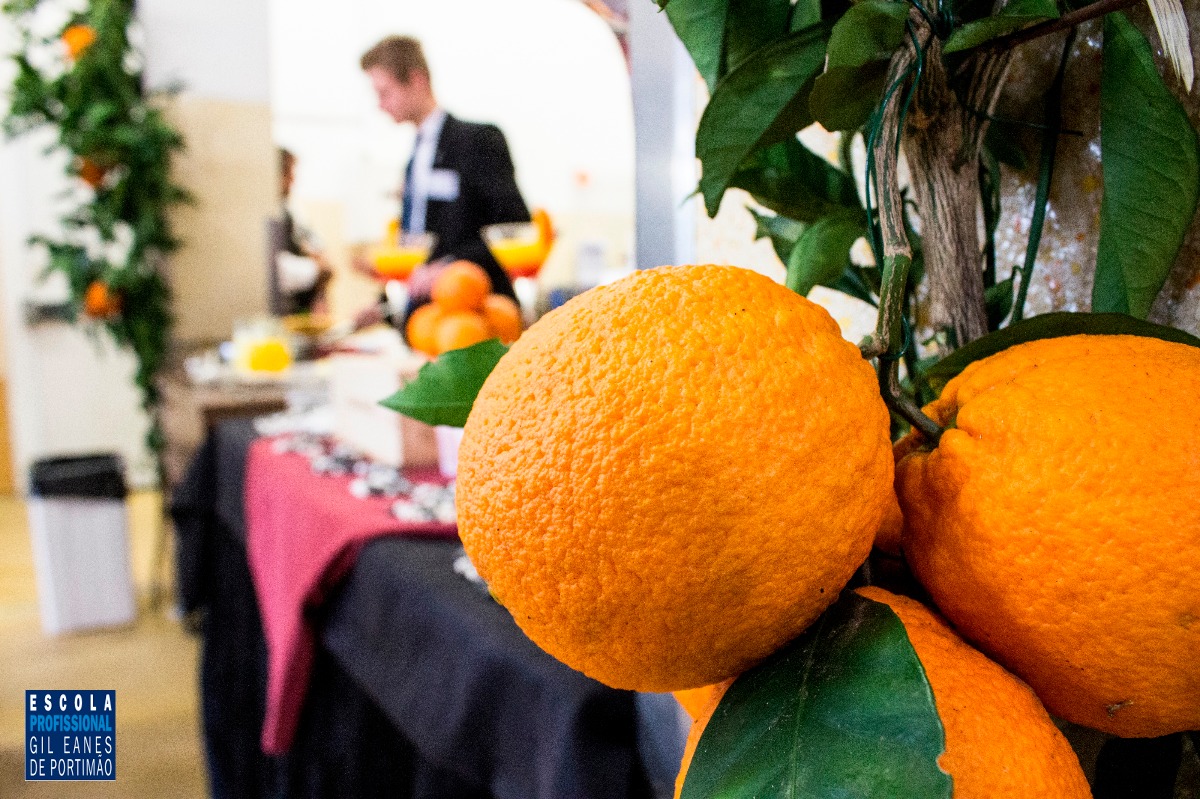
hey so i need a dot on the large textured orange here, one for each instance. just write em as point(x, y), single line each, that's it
point(1000, 742)
point(1057, 524)
point(672, 475)
point(461, 286)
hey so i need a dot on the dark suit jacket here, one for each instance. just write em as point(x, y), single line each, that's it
point(488, 195)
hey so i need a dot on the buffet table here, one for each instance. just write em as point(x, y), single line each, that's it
point(420, 684)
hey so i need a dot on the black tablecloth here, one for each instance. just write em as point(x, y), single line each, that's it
point(422, 685)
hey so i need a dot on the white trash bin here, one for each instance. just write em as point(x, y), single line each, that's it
point(79, 524)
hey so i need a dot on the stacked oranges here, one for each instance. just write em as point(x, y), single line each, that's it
point(464, 311)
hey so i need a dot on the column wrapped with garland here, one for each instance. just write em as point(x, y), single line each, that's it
point(86, 81)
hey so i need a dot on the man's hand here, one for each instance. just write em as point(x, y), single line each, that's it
point(420, 282)
point(369, 316)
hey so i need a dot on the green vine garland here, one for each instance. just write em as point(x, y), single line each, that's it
point(86, 81)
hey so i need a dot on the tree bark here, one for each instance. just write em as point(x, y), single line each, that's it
point(942, 142)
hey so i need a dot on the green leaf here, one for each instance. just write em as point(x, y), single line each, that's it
point(860, 46)
point(748, 101)
point(783, 232)
point(998, 300)
point(751, 25)
point(1051, 325)
point(700, 25)
point(792, 180)
point(853, 284)
point(823, 252)
point(1012, 17)
point(1151, 174)
point(805, 14)
point(843, 711)
point(843, 98)
point(444, 390)
point(870, 30)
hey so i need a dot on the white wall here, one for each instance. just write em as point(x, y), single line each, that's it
point(71, 392)
point(548, 72)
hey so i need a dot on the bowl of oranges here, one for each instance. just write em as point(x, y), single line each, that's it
point(463, 311)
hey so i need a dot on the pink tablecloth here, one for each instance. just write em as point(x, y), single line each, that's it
point(303, 533)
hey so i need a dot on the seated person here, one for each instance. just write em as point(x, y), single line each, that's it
point(301, 272)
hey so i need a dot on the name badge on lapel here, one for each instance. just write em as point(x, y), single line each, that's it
point(443, 185)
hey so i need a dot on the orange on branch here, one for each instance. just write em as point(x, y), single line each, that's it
point(672, 475)
point(78, 38)
point(91, 173)
point(101, 302)
point(1057, 524)
point(462, 286)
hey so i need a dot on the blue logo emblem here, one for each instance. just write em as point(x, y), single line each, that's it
point(70, 735)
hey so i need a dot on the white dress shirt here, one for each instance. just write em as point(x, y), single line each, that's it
point(427, 139)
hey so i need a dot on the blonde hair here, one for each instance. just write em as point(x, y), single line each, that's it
point(399, 55)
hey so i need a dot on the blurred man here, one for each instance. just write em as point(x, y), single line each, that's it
point(460, 177)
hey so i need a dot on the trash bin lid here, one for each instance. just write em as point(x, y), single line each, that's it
point(100, 476)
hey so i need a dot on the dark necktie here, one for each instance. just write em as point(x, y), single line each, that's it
point(406, 199)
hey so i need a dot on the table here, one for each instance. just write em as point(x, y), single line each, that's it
point(190, 411)
point(422, 686)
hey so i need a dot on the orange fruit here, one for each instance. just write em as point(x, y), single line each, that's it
point(78, 38)
point(696, 700)
point(1000, 742)
point(91, 173)
point(503, 317)
point(672, 475)
point(100, 302)
point(1057, 524)
point(460, 329)
point(461, 286)
point(711, 696)
point(421, 329)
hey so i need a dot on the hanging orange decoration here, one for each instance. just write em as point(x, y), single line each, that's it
point(91, 173)
point(101, 302)
point(78, 38)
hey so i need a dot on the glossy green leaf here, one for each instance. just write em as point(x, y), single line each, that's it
point(444, 390)
point(805, 14)
point(998, 300)
point(870, 30)
point(700, 25)
point(843, 711)
point(843, 98)
point(1151, 174)
point(1051, 325)
point(822, 254)
point(783, 232)
point(792, 180)
point(748, 101)
point(853, 283)
point(1014, 16)
point(751, 25)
